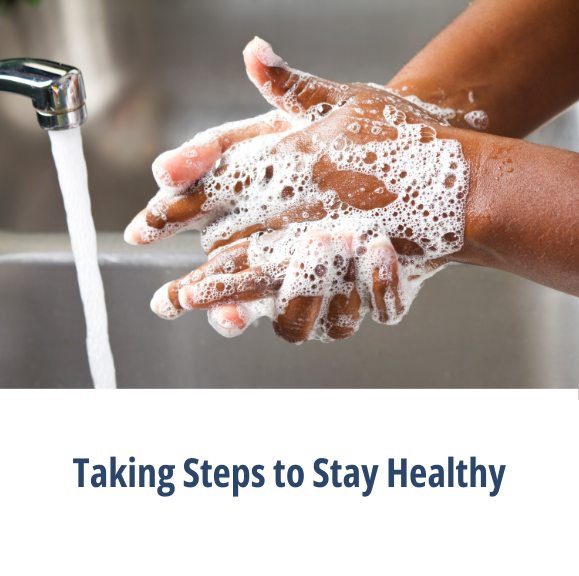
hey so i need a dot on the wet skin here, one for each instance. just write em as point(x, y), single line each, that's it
point(517, 59)
point(521, 213)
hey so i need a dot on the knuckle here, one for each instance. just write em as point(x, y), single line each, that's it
point(287, 333)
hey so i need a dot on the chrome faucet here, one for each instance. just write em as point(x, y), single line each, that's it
point(56, 90)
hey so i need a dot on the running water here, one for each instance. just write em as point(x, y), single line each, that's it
point(71, 168)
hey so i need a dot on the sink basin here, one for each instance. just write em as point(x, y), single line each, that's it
point(154, 77)
point(469, 328)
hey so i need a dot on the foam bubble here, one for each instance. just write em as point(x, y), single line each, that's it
point(478, 119)
point(443, 114)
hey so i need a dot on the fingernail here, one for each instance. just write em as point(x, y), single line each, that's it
point(160, 300)
point(162, 306)
point(187, 296)
point(314, 235)
point(230, 317)
point(264, 52)
point(174, 171)
point(161, 175)
point(348, 236)
point(130, 236)
point(380, 242)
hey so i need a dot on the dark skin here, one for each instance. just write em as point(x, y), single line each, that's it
point(517, 57)
point(523, 201)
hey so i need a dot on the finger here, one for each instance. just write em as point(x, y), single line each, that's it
point(386, 301)
point(232, 319)
point(287, 88)
point(166, 215)
point(307, 212)
point(178, 169)
point(343, 315)
point(252, 284)
point(179, 203)
point(301, 296)
point(298, 319)
point(229, 319)
point(165, 302)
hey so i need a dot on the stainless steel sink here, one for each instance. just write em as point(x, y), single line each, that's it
point(469, 327)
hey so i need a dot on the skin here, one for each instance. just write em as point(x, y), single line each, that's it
point(523, 199)
point(517, 59)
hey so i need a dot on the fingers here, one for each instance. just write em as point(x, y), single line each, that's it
point(229, 319)
point(306, 212)
point(166, 215)
point(229, 297)
point(297, 321)
point(179, 203)
point(178, 169)
point(317, 288)
point(252, 284)
point(316, 291)
point(386, 302)
point(329, 296)
point(289, 89)
point(343, 315)
point(300, 298)
point(165, 302)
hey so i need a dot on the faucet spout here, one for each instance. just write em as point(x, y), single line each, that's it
point(56, 90)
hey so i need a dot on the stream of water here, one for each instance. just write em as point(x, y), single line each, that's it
point(72, 176)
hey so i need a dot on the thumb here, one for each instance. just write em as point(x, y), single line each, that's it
point(287, 88)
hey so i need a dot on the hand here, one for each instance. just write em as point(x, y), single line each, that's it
point(351, 174)
point(316, 290)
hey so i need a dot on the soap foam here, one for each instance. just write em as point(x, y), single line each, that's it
point(250, 185)
point(443, 114)
point(478, 119)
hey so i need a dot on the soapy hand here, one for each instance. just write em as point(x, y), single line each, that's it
point(341, 201)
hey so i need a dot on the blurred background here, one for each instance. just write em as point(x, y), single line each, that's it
point(159, 71)
point(156, 73)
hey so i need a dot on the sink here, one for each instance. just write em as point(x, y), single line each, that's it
point(468, 328)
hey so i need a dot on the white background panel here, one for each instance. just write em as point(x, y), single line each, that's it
point(50, 526)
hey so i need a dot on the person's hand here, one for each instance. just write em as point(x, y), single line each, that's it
point(315, 290)
point(344, 200)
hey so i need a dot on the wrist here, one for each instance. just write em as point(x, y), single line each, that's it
point(479, 222)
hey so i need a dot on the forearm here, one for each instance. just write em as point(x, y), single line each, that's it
point(523, 210)
point(515, 59)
